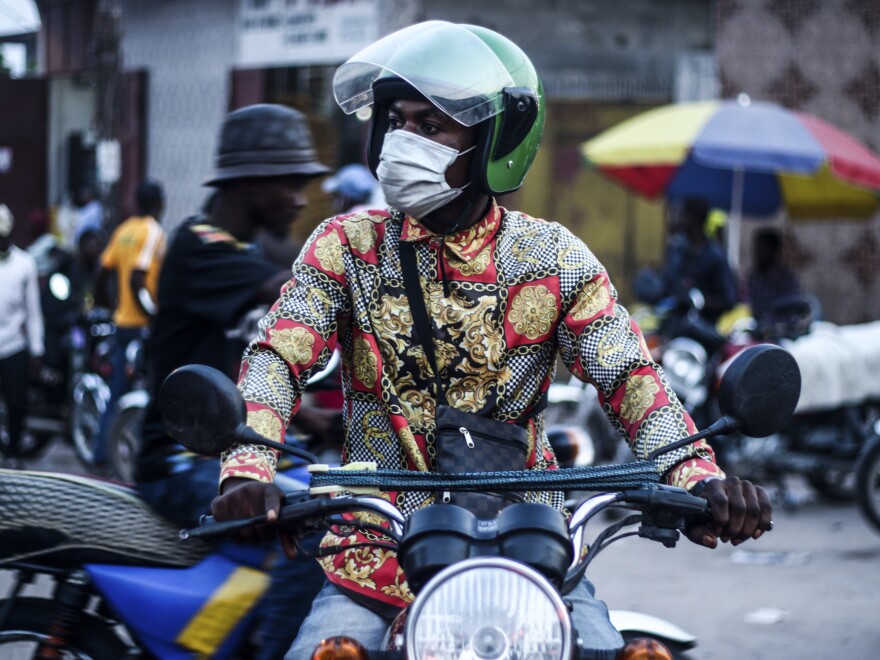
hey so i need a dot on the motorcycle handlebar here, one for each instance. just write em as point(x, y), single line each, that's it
point(298, 512)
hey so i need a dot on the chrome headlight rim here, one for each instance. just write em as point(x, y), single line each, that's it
point(476, 563)
point(688, 352)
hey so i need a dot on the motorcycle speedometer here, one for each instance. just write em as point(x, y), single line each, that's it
point(488, 608)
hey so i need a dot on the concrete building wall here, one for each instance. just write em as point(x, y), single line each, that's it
point(188, 49)
point(821, 58)
point(599, 50)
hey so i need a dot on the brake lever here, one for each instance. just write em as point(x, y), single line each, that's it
point(210, 529)
point(665, 511)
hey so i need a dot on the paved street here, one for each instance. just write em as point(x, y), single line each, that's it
point(810, 589)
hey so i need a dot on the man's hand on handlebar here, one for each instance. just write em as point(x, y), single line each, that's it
point(246, 498)
point(740, 509)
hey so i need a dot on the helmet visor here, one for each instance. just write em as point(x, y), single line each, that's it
point(447, 64)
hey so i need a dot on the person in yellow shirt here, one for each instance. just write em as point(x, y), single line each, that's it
point(131, 260)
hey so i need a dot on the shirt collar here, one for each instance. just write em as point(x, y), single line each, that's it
point(465, 244)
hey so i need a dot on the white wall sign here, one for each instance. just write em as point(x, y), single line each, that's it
point(109, 161)
point(300, 32)
point(5, 159)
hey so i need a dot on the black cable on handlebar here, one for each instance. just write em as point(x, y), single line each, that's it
point(601, 541)
point(604, 538)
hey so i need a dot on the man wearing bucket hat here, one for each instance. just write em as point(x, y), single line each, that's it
point(457, 118)
point(21, 333)
point(211, 276)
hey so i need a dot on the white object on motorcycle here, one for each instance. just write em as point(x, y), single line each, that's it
point(638, 622)
point(134, 399)
point(353, 466)
point(839, 365)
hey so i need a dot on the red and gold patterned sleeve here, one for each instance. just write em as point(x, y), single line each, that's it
point(601, 344)
point(296, 339)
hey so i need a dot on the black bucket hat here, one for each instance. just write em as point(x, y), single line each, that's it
point(265, 140)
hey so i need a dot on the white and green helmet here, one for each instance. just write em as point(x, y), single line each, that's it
point(474, 75)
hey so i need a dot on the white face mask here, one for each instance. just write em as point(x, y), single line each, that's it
point(412, 173)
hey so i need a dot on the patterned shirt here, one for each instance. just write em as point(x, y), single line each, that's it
point(505, 296)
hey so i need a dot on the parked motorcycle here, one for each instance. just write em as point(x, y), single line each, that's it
point(117, 583)
point(821, 442)
point(456, 564)
point(69, 394)
point(868, 476)
point(91, 342)
point(579, 430)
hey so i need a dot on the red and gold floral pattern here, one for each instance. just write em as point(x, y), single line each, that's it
point(517, 291)
point(250, 462)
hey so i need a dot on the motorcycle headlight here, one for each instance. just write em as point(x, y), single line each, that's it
point(684, 363)
point(488, 608)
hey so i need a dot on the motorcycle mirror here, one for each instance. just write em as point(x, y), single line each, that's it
point(202, 408)
point(760, 389)
point(59, 286)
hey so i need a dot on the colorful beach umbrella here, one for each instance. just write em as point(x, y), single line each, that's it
point(751, 158)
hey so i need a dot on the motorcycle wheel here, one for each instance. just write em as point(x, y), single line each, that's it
point(834, 485)
point(124, 443)
point(868, 484)
point(90, 397)
point(32, 444)
point(28, 624)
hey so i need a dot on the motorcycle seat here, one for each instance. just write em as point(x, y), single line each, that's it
point(67, 520)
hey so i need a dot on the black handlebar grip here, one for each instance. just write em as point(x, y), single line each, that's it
point(290, 513)
point(212, 529)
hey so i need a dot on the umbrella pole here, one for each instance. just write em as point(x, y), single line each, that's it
point(734, 224)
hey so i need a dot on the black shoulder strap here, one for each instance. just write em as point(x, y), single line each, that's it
point(422, 323)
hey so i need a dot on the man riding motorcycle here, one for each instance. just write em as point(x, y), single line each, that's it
point(458, 113)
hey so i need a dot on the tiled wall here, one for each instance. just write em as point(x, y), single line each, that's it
point(821, 57)
point(188, 47)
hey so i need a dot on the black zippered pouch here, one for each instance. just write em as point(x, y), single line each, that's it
point(471, 443)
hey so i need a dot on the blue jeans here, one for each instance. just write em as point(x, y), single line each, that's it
point(183, 497)
point(118, 386)
point(334, 613)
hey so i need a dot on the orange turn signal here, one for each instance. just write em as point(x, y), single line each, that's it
point(644, 648)
point(340, 648)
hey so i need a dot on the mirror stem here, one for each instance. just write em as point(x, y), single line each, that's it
point(244, 433)
point(721, 427)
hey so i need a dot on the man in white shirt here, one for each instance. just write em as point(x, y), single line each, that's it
point(21, 333)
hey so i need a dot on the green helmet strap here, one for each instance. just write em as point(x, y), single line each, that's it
point(520, 112)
